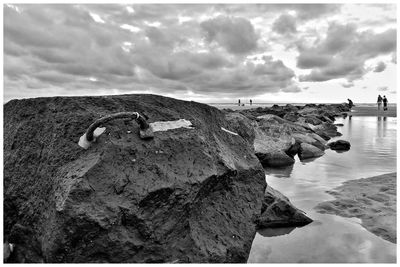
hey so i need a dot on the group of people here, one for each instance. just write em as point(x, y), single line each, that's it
point(380, 100)
point(251, 102)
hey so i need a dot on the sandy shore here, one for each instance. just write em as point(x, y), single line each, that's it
point(373, 200)
point(373, 111)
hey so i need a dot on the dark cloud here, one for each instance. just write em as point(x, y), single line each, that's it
point(309, 60)
point(213, 49)
point(381, 66)
point(383, 88)
point(236, 34)
point(313, 11)
point(285, 24)
point(343, 52)
point(303, 11)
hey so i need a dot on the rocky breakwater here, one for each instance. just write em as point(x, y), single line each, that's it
point(278, 133)
point(189, 194)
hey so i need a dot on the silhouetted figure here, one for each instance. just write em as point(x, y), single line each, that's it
point(350, 103)
point(239, 102)
point(379, 102)
point(385, 101)
point(251, 102)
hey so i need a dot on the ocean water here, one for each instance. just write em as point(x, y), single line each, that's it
point(331, 238)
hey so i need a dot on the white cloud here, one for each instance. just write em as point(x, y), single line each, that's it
point(96, 18)
point(221, 50)
point(130, 28)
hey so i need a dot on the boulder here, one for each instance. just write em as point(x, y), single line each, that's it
point(188, 195)
point(326, 130)
point(310, 138)
point(312, 119)
point(272, 151)
point(290, 108)
point(277, 211)
point(291, 116)
point(339, 145)
point(274, 158)
point(242, 125)
point(309, 151)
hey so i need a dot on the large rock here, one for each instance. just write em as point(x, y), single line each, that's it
point(272, 151)
point(291, 116)
point(242, 125)
point(273, 143)
point(339, 145)
point(277, 211)
point(326, 130)
point(188, 195)
point(310, 138)
point(309, 151)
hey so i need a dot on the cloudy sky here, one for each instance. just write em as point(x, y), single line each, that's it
point(203, 52)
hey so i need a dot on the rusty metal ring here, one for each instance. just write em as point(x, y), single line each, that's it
point(121, 115)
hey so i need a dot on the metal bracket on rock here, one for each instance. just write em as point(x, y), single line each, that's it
point(94, 130)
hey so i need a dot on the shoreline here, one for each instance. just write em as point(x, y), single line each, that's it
point(359, 111)
point(373, 200)
point(373, 111)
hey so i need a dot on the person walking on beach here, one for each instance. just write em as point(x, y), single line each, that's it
point(251, 102)
point(379, 102)
point(350, 103)
point(239, 102)
point(385, 101)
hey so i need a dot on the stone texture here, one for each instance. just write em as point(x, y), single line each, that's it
point(309, 151)
point(339, 145)
point(277, 211)
point(187, 195)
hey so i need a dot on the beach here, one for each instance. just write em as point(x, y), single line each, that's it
point(373, 200)
point(373, 111)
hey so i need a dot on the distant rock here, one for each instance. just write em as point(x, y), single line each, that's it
point(309, 151)
point(312, 119)
point(291, 116)
point(339, 145)
point(277, 211)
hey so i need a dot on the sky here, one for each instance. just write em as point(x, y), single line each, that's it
point(210, 53)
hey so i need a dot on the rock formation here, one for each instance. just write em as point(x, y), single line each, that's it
point(187, 195)
point(339, 145)
point(193, 193)
point(279, 133)
point(309, 151)
point(277, 211)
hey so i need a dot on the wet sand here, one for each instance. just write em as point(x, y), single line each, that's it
point(373, 200)
point(373, 111)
